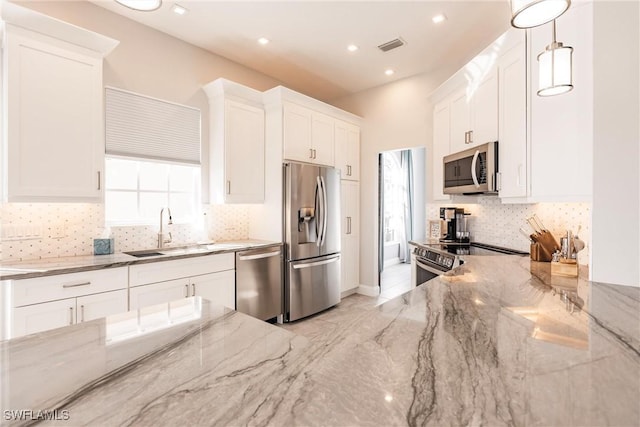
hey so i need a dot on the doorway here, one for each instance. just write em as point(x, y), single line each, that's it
point(401, 216)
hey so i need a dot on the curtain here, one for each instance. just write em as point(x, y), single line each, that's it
point(406, 163)
point(380, 214)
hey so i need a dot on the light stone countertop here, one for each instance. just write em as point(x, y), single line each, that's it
point(51, 266)
point(487, 344)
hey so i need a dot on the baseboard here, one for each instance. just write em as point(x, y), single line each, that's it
point(370, 291)
point(348, 292)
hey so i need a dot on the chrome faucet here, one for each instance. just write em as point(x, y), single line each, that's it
point(161, 239)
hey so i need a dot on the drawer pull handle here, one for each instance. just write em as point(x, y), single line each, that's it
point(73, 285)
point(71, 315)
point(193, 289)
point(258, 256)
point(82, 313)
point(186, 291)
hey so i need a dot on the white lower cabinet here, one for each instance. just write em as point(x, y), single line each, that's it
point(44, 303)
point(158, 293)
point(91, 307)
point(212, 277)
point(35, 318)
point(218, 287)
point(41, 317)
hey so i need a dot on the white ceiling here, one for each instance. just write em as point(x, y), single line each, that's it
point(308, 44)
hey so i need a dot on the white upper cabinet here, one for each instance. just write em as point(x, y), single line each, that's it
point(460, 120)
point(545, 143)
point(441, 147)
point(322, 139)
point(54, 138)
point(297, 133)
point(308, 135)
point(484, 119)
point(237, 143)
point(512, 72)
point(348, 150)
point(561, 125)
point(474, 112)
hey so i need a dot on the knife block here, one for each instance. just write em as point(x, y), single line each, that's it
point(539, 253)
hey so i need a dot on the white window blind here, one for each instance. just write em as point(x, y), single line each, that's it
point(148, 128)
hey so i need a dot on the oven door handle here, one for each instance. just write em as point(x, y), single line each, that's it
point(428, 267)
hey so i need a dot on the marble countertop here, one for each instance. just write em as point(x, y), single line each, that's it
point(494, 342)
point(51, 266)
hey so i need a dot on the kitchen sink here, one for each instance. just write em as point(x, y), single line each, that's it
point(144, 253)
point(182, 250)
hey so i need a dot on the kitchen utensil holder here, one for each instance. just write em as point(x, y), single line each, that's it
point(539, 253)
point(564, 267)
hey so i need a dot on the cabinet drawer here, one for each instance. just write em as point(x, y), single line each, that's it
point(50, 288)
point(169, 270)
point(43, 317)
point(158, 293)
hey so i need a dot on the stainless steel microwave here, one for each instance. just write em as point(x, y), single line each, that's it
point(472, 171)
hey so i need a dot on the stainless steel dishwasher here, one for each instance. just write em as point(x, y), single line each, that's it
point(259, 282)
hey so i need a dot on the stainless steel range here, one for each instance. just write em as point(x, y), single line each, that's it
point(431, 259)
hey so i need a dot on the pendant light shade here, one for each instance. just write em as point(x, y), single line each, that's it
point(142, 5)
point(531, 13)
point(555, 68)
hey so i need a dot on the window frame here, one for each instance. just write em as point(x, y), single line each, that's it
point(139, 221)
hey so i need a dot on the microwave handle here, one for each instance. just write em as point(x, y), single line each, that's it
point(473, 168)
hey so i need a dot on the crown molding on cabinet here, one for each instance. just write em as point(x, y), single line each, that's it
point(279, 94)
point(22, 17)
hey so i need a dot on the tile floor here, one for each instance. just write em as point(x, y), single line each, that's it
point(395, 280)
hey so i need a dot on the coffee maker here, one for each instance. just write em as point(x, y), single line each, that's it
point(456, 225)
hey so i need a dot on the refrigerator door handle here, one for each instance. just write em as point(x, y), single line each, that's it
point(316, 263)
point(325, 210)
point(319, 213)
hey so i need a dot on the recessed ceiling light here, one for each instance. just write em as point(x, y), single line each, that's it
point(179, 9)
point(439, 18)
point(352, 48)
point(263, 40)
point(141, 5)
point(389, 72)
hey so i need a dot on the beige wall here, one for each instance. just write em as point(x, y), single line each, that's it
point(153, 63)
point(397, 115)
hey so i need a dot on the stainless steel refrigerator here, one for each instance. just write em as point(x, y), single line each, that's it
point(312, 239)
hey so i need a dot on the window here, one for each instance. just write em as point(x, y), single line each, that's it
point(136, 190)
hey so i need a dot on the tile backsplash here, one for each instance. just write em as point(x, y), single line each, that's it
point(495, 223)
point(50, 230)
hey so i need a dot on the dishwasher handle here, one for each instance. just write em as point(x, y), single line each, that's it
point(258, 256)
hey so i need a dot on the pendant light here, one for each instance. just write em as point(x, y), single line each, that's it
point(555, 68)
point(531, 13)
point(141, 5)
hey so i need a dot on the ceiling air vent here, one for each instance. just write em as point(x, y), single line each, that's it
point(386, 47)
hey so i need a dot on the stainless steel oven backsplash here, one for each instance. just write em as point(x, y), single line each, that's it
point(496, 223)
